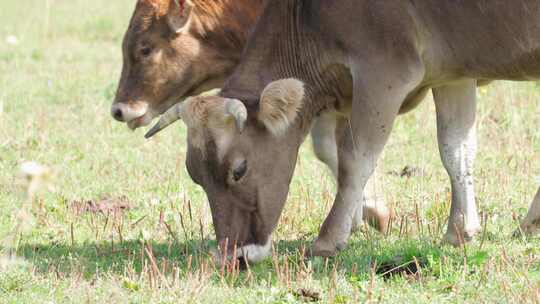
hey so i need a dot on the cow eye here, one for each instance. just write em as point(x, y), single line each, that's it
point(239, 171)
point(146, 51)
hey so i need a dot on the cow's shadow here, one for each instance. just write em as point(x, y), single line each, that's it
point(93, 257)
point(90, 258)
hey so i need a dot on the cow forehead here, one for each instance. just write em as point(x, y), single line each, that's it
point(206, 159)
point(208, 123)
point(201, 138)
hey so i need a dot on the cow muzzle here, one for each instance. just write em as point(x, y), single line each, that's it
point(251, 253)
point(134, 114)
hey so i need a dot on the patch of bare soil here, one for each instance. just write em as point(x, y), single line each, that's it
point(306, 295)
point(407, 172)
point(104, 206)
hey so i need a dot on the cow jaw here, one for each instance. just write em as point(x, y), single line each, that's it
point(141, 121)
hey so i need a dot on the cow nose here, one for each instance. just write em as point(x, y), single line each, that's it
point(124, 112)
point(117, 114)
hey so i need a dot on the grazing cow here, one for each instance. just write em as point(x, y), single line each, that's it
point(172, 50)
point(243, 144)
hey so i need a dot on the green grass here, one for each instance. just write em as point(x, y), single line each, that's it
point(56, 86)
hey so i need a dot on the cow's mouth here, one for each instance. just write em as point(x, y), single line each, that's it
point(141, 121)
point(135, 114)
point(146, 118)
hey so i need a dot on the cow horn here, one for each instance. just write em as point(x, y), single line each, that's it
point(172, 115)
point(238, 111)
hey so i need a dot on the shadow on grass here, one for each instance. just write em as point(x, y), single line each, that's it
point(103, 257)
point(357, 260)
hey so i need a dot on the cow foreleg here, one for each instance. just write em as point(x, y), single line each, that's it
point(456, 114)
point(375, 212)
point(531, 223)
point(360, 144)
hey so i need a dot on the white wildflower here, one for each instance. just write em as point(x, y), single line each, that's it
point(32, 169)
point(36, 176)
point(12, 40)
point(8, 261)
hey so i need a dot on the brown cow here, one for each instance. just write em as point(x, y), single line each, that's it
point(175, 50)
point(302, 57)
point(172, 51)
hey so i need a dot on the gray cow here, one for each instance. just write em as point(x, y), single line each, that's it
point(303, 56)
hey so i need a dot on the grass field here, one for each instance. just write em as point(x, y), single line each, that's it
point(119, 221)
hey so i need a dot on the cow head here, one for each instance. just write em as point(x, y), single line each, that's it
point(165, 58)
point(244, 159)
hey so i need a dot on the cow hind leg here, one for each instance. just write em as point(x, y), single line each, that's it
point(531, 223)
point(456, 113)
point(324, 141)
point(375, 212)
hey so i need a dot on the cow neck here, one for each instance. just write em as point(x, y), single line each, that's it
point(283, 45)
point(225, 24)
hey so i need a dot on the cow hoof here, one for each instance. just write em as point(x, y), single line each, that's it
point(526, 230)
point(323, 249)
point(453, 238)
point(322, 253)
point(518, 233)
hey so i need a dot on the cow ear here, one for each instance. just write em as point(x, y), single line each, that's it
point(178, 14)
point(280, 102)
